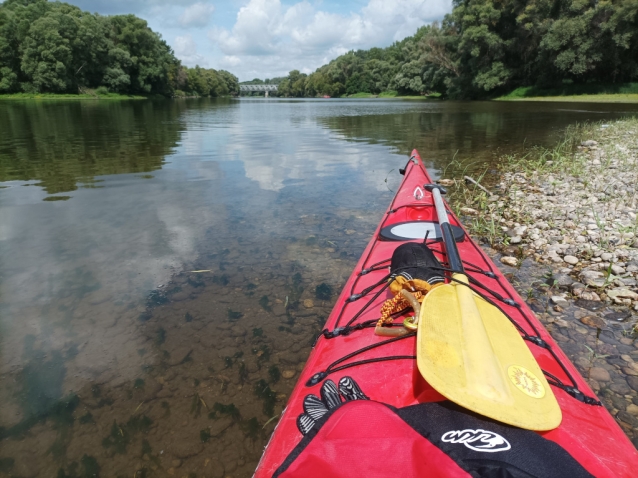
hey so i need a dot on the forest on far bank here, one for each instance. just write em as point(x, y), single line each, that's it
point(54, 47)
point(485, 49)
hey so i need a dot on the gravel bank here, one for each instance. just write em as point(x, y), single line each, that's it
point(578, 215)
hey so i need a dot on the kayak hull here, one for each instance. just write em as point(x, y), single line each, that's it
point(587, 431)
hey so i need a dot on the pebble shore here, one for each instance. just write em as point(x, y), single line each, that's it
point(563, 223)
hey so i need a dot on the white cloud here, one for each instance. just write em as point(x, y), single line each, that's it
point(231, 60)
point(256, 31)
point(186, 49)
point(185, 46)
point(266, 38)
point(197, 15)
point(271, 39)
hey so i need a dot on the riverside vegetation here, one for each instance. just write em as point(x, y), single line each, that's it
point(569, 215)
point(485, 49)
point(56, 48)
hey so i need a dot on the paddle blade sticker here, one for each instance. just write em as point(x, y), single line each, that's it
point(526, 381)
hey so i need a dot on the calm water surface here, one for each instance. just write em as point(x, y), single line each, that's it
point(159, 262)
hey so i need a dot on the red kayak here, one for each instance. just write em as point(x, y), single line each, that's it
point(362, 408)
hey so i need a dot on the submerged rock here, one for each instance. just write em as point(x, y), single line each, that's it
point(593, 322)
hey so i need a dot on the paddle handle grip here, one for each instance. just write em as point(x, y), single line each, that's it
point(453, 256)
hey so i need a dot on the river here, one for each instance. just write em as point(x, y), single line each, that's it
point(165, 265)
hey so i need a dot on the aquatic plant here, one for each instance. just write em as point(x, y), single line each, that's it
point(269, 397)
point(264, 302)
point(323, 291)
point(196, 281)
point(262, 352)
point(229, 410)
point(233, 315)
point(139, 383)
point(204, 435)
point(294, 292)
point(145, 316)
point(258, 332)
point(274, 373)
point(121, 434)
point(86, 418)
point(155, 298)
point(230, 361)
point(160, 336)
point(196, 405)
point(242, 372)
point(6, 465)
point(139, 424)
point(251, 428)
point(90, 469)
point(118, 439)
point(221, 280)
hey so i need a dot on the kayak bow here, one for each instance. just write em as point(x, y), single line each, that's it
point(362, 408)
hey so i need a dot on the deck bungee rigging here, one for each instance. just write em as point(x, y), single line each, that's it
point(373, 395)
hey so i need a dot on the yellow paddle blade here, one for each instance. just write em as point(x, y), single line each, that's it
point(470, 352)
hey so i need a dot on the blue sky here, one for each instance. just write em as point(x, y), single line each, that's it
point(267, 38)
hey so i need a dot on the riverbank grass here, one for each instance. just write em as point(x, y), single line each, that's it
point(623, 93)
point(66, 96)
point(393, 94)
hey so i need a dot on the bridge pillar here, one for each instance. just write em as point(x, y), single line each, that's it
point(266, 94)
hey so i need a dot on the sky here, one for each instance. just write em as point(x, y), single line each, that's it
point(269, 38)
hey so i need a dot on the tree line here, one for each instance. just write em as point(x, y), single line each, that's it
point(486, 48)
point(54, 47)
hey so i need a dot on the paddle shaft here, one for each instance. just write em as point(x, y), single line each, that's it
point(453, 256)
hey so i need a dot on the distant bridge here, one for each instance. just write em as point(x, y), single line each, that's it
point(257, 87)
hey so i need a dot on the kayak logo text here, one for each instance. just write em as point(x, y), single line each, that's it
point(477, 440)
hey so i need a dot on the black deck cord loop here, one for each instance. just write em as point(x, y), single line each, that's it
point(347, 329)
point(368, 289)
point(374, 267)
point(319, 376)
point(362, 310)
point(573, 391)
point(496, 295)
point(368, 304)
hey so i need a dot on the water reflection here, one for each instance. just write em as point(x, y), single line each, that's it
point(117, 358)
point(63, 144)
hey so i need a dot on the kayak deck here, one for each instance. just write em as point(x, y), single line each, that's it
point(386, 369)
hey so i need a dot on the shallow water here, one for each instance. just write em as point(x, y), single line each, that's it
point(115, 355)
